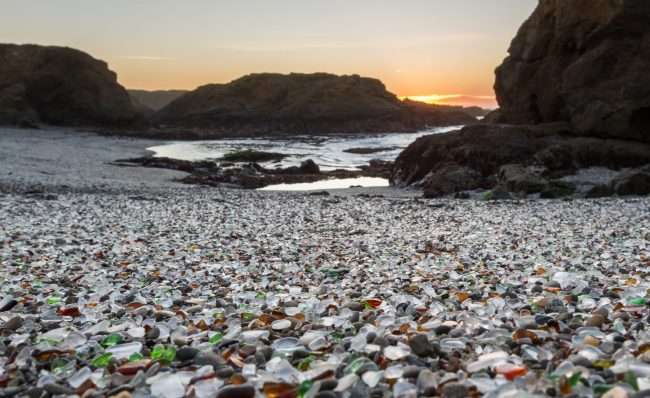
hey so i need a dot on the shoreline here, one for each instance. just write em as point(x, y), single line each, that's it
point(56, 160)
point(75, 160)
point(197, 134)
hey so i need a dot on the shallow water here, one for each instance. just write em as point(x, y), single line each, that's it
point(327, 151)
point(336, 183)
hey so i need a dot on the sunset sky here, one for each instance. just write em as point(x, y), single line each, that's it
point(417, 47)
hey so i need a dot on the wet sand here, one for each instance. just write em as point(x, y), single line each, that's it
point(57, 159)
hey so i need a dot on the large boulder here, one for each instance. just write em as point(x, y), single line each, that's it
point(518, 178)
point(60, 86)
point(582, 61)
point(449, 179)
point(302, 103)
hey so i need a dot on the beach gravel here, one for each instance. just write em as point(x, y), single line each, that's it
point(175, 292)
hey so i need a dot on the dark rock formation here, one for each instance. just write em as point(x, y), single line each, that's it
point(517, 178)
point(157, 99)
point(369, 150)
point(574, 93)
point(201, 167)
point(309, 167)
point(475, 155)
point(251, 155)
point(302, 103)
point(451, 178)
point(60, 86)
point(582, 61)
point(632, 182)
point(252, 175)
point(378, 168)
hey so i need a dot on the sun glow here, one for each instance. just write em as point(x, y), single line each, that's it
point(431, 99)
point(486, 101)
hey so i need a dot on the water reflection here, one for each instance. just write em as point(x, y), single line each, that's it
point(341, 183)
point(329, 152)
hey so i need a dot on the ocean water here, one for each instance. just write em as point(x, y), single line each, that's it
point(329, 152)
point(334, 183)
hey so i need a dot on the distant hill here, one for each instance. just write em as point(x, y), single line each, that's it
point(475, 111)
point(155, 100)
point(67, 87)
point(303, 103)
point(60, 86)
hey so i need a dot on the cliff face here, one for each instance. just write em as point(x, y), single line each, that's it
point(302, 103)
point(574, 93)
point(581, 61)
point(60, 86)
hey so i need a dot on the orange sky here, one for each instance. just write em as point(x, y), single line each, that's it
point(484, 101)
point(416, 47)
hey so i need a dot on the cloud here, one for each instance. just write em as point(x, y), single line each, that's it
point(296, 47)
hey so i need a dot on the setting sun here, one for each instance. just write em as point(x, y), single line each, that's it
point(484, 101)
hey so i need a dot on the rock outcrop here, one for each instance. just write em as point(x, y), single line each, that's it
point(476, 158)
point(60, 86)
point(574, 94)
point(302, 103)
point(252, 175)
point(581, 61)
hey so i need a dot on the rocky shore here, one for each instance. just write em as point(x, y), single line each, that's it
point(524, 160)
point(60, 160)
point(251, 175)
